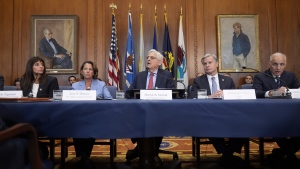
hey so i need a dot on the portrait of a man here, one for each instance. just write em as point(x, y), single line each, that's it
point(238, 42)
point(240, 47)
point(51, 49)
point(54, 38)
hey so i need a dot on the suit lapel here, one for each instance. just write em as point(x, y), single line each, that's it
point(271, 80)
point(206, 84)
point(144, 80)
point(221, 82)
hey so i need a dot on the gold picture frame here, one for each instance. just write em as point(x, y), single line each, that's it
point(64, 30)
point(228, 45)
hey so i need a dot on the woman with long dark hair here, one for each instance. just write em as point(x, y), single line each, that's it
point(35, 82)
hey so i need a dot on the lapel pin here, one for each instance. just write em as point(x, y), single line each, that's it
point(223, 80)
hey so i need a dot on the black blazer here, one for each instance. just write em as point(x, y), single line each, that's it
point(263, 83)
point(164, 79)
point(45, 89)
point(201, 82)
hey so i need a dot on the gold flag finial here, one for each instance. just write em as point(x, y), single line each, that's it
point(165, 8)
point(113, 7)
point(129, 7)
point(155, 10)
point(181, 11)
point(141, 7)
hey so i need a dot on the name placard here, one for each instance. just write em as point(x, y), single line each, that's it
point(239, 94)
point(79, 95)
point(11, 94)
point(156, 94)
point(295, 93)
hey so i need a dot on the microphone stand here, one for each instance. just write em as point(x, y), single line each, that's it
point(288, 94)
point(180, 81)
point(185, 89)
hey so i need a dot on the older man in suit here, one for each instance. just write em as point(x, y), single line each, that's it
point(50, 48)
point(277, 80)
point(152, 78)
point(214, 83)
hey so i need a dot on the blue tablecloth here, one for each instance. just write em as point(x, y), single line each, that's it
point(145, 118)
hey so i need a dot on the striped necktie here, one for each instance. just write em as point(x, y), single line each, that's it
point(213, 85)
point(277, 79)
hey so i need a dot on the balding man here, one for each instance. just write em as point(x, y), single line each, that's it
point(50, 48)
point(277, 80)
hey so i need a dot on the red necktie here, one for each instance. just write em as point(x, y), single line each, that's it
point(150, 84)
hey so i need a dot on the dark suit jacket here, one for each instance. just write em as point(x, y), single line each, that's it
point(201, 82)
point(164, 79)
point(1, 82)
point(48, 51)
point(263, 83)
point(45, 89)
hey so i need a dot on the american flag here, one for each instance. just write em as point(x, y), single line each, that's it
point(114, 65)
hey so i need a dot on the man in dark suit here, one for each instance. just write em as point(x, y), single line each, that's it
point(266, 85)
point(143, 80)
point(50, 48)
point(214, 83)
point(1, 82)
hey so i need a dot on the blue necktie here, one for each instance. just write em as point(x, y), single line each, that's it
point(213, 85)
point(278, 82)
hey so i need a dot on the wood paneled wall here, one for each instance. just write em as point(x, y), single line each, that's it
point(279, 30)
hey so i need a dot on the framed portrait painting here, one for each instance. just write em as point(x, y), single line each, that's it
point(54, 38)
point(238, 43)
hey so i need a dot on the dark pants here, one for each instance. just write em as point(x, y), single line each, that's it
point(228, 147)
point(291, 145)
point(157, 143)
point(83, 146)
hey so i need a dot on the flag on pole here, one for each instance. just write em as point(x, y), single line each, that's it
point(114, 64)
point(168, 60)
point(182, 74)
point(129, 68)
point(142, 57)
point(155, 32)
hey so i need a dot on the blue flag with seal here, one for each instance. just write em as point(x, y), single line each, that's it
point(129, 68)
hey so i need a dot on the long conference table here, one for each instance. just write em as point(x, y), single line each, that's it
point(112, 119)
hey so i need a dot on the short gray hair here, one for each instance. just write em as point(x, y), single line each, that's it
point(158, 54)
point(47, 30)
point(277, 54)
point(209, 54)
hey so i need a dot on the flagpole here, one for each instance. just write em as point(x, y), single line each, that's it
point(114, 65)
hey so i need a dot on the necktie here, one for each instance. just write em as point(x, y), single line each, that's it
point(150, 84)
point(278, 82)
point(213, 85)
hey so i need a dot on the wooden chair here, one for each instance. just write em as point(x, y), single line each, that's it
point(33, 150)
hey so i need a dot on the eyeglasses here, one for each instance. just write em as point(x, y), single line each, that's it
point(151, 57)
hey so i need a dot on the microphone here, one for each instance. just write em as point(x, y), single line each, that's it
point(288, 93)
point(180, 81)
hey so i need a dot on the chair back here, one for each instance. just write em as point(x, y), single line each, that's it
point(10, 88)
point(65, 87)
point(246, 86)
point(113, 91)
